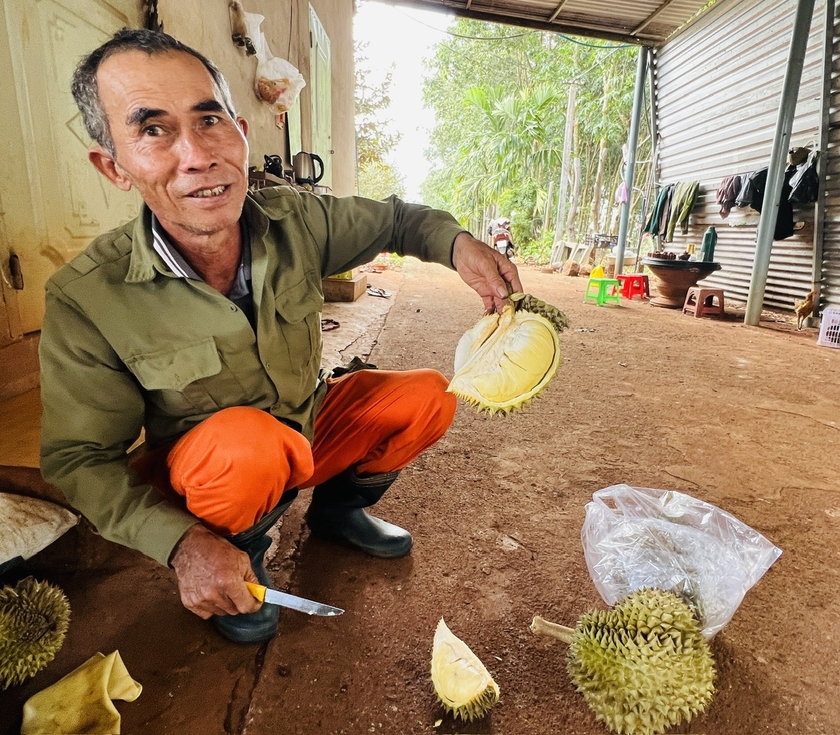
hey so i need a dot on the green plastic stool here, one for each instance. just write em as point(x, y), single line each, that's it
point(606, 289)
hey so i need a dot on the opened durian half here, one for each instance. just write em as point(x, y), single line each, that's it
point(507, 359)
point(462, 683)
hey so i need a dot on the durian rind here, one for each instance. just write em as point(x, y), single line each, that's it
point(461, 681)
point(643, 666)
point(34, 617)
point(506, 360)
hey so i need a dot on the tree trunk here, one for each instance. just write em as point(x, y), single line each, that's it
point(570, 225)
point(548, 201)
point(560, 220)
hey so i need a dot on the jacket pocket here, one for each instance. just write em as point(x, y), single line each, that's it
point(299, 320)
point(173, 378)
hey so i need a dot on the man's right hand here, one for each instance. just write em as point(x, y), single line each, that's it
point(211, 574)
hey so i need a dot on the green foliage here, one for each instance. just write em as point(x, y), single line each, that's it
point(374, 138)
point(500, 99)
point(379, 181)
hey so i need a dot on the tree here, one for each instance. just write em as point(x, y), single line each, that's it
point(376, 177)
point(501, 140)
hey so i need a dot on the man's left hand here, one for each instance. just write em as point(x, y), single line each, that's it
point(484, 269)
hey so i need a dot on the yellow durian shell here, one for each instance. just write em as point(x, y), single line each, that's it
point(505, 360)
point(462, 683)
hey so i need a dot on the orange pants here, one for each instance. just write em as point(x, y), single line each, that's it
point(233, 467)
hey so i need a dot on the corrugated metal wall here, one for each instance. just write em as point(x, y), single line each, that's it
point(718, 88)
point(830, 287)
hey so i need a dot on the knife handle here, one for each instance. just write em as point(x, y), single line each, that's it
point(257, 590)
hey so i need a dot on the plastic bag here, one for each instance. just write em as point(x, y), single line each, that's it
point(638, 537)
point(277, 82)
point(28, 525)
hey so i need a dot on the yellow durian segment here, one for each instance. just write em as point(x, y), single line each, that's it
point(506, 359)
point(462, 683)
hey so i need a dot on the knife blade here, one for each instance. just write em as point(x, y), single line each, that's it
point(284, 599)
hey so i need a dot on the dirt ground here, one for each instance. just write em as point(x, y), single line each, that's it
point(744, 418)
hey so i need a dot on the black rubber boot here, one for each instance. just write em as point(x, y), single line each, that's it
point(336, 513)
point(258, 626)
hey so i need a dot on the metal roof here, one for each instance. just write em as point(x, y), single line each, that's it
point(644, 22)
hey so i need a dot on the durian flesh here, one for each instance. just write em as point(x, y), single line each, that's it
point(34, 617)
point(462, 683)
point(644, 665)
point(507, 359)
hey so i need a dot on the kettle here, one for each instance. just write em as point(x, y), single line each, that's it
point(304, 168)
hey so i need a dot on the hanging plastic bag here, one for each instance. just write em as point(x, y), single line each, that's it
point(805, 183)
point(277, 82)
point(638, 537)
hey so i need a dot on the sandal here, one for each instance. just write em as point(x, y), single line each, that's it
point(381, 292)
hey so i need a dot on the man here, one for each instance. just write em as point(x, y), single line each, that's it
point(199, 322)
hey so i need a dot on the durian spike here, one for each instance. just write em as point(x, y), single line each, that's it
point(643, 666)
point(462, 683)
point(34, 617)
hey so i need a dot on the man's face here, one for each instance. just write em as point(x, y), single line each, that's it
point(174, 141)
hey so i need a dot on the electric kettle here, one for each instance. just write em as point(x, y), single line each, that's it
point(304, 168)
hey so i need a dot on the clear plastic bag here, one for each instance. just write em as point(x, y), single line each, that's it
point(277, 82)
point(638, 537)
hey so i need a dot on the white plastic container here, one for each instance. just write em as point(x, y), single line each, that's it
point(830, 327)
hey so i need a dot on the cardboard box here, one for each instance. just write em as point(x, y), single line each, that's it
point(336, 289)
point(345, 276)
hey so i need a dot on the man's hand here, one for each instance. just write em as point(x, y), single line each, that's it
point(211, 575)
point(489, 273)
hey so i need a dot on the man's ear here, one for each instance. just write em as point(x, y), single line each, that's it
point(105, 163)
point(243, 125)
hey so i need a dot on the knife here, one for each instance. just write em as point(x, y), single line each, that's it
point(275, 597)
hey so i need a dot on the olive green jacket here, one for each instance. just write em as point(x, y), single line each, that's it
point(126, 345)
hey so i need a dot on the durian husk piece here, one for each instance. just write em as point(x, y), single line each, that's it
point(462, 683)
point(643, 666)
point(507, 359)
point(34, 617)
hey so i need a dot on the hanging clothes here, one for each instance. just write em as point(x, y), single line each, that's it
point(685, 194)
point(784, 218)
point(747, 194)
point(659, 213)
point(727, 193)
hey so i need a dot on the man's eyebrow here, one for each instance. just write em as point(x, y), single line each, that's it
point(141, 114)
point(210, 105)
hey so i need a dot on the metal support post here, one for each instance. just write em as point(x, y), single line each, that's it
point(632, 148)
point(778, 161)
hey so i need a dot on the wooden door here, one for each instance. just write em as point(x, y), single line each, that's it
point(55, 201)
point(320, 71)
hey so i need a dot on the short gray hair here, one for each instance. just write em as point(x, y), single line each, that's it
point(86, 91)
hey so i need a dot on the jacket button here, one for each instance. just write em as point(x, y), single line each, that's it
point(233, 307)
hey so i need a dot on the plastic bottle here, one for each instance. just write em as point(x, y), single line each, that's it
point(709, 242)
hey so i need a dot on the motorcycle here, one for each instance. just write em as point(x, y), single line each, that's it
point(499, 231)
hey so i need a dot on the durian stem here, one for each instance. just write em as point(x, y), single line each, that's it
point(541, 626)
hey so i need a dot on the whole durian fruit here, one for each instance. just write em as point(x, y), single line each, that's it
point(34, 617)
point(462, 683)
point(507, 359)
point(642, 666)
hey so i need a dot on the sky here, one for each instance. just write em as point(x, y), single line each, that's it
point(403, 37)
